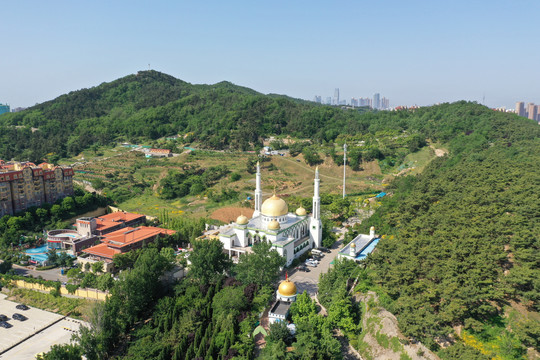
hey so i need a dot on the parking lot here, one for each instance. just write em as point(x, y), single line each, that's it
point(39, 337)
point(308, 280)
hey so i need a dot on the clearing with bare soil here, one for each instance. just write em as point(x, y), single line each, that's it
point(229, 214)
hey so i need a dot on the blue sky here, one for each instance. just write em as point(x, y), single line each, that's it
point(413, 52)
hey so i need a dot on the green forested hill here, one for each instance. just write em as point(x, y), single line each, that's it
point(147, 105)
point(150, 105)
point(463, 238)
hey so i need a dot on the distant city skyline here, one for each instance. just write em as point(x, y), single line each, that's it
point(426, 52)
point(376, 102)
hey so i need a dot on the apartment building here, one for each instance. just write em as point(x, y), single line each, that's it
point(24, 184)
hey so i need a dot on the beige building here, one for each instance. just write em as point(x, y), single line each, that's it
point(23, 184)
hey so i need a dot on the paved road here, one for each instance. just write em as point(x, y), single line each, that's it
point(308, 280)
point(52, 274)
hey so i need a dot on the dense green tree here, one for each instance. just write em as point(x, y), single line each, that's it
point(62, 352)
point(208, 261)
point(261, 266)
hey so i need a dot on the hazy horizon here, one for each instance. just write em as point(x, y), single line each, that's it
point(416, 52)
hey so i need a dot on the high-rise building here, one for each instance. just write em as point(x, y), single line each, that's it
point(385, 103)
point(532, 111)
point(520, 108)
point(364, 102)
point(376, 101)
point(317, 99)
point(4, 108)
point(336, 96)
point(354, 102)
point(23, 184)
point(328, 100)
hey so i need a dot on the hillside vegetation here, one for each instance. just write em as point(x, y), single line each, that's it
point(150, 105)
point(463, 237)
point(460, 255)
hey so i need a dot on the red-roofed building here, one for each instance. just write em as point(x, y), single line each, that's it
point(124, 240)
point(108, 223)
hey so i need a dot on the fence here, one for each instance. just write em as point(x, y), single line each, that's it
point(91, 294)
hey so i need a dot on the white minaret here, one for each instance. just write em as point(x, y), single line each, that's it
point(315, 229)
point(258, 192)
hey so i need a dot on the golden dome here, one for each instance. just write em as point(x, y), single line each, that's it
point(274, 206)
point(353, 245)
point(273, 225)
point(301, 211)
point(242, 220)
point(372, 228)
point(287, 288)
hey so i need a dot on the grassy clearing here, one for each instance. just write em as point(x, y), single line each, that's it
point(417, 161)
point(77, 308)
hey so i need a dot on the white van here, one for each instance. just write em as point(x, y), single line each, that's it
point(316, 252)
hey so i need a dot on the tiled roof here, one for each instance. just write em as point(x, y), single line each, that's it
point(129, 235)
point(108, 221)
point(102, 250)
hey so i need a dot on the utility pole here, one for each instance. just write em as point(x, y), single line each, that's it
point(344, 166)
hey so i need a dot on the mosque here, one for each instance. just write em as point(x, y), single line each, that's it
point(291, 234)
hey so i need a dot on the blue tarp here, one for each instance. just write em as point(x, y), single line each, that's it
point(380, 195)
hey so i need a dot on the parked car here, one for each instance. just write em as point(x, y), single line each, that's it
point(5, 325)
point(313, 260)
point(323, 249)
point(302, 268)
point(19, 317)
point(22, 307)
point(312, 264)
point(3, 317)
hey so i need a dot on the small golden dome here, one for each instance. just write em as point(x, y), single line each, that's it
point(301, 211)
point(274, 206)
point(273, 225)
point(242, 220)
point(287, 288)
point(372, 228)
point(353, 245)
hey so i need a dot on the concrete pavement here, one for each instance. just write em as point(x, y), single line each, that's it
point(37, 334)
point(308, 280)
point(52, 274)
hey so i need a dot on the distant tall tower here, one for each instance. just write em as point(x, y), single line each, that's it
point(520, 108)
point(532, 111)
point(315, 231)
point(377, 101)
point(336, 96)
point(344, 166)
point(258, 192)
point(385, 103)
